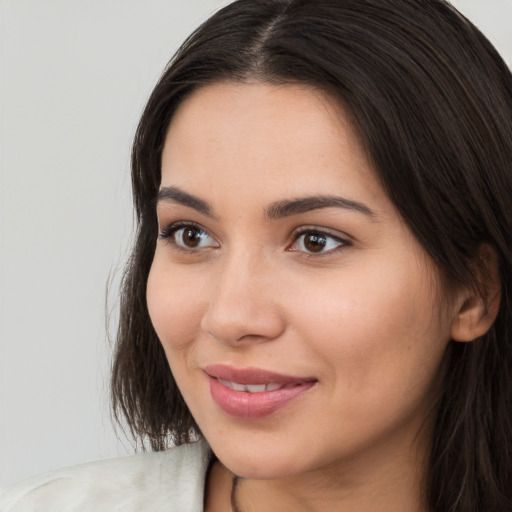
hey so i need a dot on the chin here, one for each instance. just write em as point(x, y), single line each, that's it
point(257, 461)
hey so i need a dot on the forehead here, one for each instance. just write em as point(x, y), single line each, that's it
point(254, 113)
point(263, 140)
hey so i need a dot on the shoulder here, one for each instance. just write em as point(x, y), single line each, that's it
point(172, 480)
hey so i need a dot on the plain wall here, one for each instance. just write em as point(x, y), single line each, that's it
point(74, 76)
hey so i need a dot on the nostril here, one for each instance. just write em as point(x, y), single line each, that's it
point(241, 310)
point(243, 327)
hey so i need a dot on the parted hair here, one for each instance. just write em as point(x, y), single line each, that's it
point(431, 101)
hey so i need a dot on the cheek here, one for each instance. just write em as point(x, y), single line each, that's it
point(175, 305)
point(374, 328)
point(382, 354)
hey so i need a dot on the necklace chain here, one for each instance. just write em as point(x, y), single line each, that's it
point(234, 501)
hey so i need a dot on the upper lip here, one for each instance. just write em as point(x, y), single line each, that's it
point(251, 375)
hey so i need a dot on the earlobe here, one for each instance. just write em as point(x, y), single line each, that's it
point(479, 305)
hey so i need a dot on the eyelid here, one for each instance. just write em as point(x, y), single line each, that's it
point(343, 240)
point(170, 229)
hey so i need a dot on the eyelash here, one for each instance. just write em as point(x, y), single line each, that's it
point(168, 233)
point(342, 243)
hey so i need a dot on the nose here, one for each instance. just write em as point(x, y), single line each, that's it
point(243, 305)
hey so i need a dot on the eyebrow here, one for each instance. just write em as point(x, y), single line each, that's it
point(176, 195)
point(306, 204)
point(276, 210)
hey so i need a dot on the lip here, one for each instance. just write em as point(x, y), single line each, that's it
point(244, 404)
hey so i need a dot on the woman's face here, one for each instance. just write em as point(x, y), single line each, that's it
point(301, 319)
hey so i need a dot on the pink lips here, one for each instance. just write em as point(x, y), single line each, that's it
point(252, 392)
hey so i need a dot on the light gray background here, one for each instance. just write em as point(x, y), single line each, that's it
point(74, 76)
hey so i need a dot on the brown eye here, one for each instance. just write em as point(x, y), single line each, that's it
point(188, 236)
point(314, 242)
point(317, 242)
point(192, 237)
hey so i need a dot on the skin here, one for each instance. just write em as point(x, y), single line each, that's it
point(363, 316)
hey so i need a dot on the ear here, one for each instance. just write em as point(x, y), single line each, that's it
point(478, 306)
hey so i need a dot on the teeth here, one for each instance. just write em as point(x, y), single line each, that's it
point(232, 385)
point(250, 388)
point(255, 388)
point(273, 387)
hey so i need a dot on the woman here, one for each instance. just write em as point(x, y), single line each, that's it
point(320, 288)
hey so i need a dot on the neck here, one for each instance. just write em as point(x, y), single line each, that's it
point(389, 477)
point(261, 496)
point(378, 484)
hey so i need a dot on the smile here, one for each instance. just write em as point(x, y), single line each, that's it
point(254, 388)
point(253, 393)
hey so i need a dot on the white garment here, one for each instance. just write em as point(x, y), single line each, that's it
point(168, 481)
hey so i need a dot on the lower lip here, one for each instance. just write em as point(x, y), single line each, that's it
point(242, 404)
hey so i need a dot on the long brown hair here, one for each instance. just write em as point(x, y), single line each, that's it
point(431, 100)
